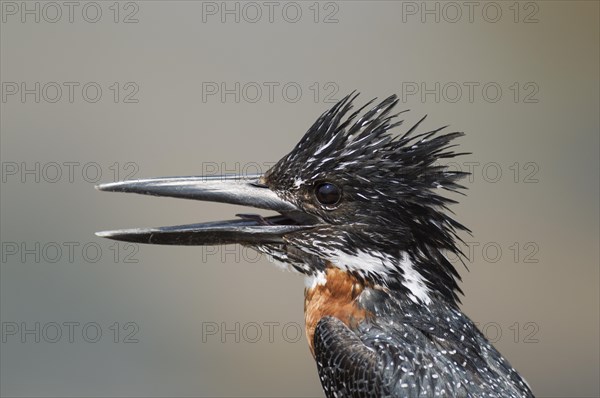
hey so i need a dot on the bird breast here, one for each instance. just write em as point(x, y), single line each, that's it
point(336, 296)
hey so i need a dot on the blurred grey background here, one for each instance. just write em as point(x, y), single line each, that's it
point(98, 91)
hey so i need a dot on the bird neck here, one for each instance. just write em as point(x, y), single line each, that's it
point(423, 275)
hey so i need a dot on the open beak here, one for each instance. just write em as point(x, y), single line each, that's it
point(248, 229)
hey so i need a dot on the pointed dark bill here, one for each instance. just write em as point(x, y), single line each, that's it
point(246, 191)
point(247, 232)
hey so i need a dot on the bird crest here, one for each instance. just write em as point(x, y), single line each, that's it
point(391, 186)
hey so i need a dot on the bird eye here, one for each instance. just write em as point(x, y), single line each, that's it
point(328, 194)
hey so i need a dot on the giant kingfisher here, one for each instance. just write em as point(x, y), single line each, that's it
point(362, 215)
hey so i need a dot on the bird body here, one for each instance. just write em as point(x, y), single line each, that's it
point(362, 216)
point(378, 343)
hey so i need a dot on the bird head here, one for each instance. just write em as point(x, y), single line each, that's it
point(351, 194)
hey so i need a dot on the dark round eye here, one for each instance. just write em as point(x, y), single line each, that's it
point(328, 194)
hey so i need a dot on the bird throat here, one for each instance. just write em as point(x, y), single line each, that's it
point(334, 295)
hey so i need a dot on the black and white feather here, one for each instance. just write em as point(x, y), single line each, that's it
point(390, 229)
point(406, 351)
point(392, 220)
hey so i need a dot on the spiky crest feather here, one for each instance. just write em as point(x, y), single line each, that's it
point(391, 190)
